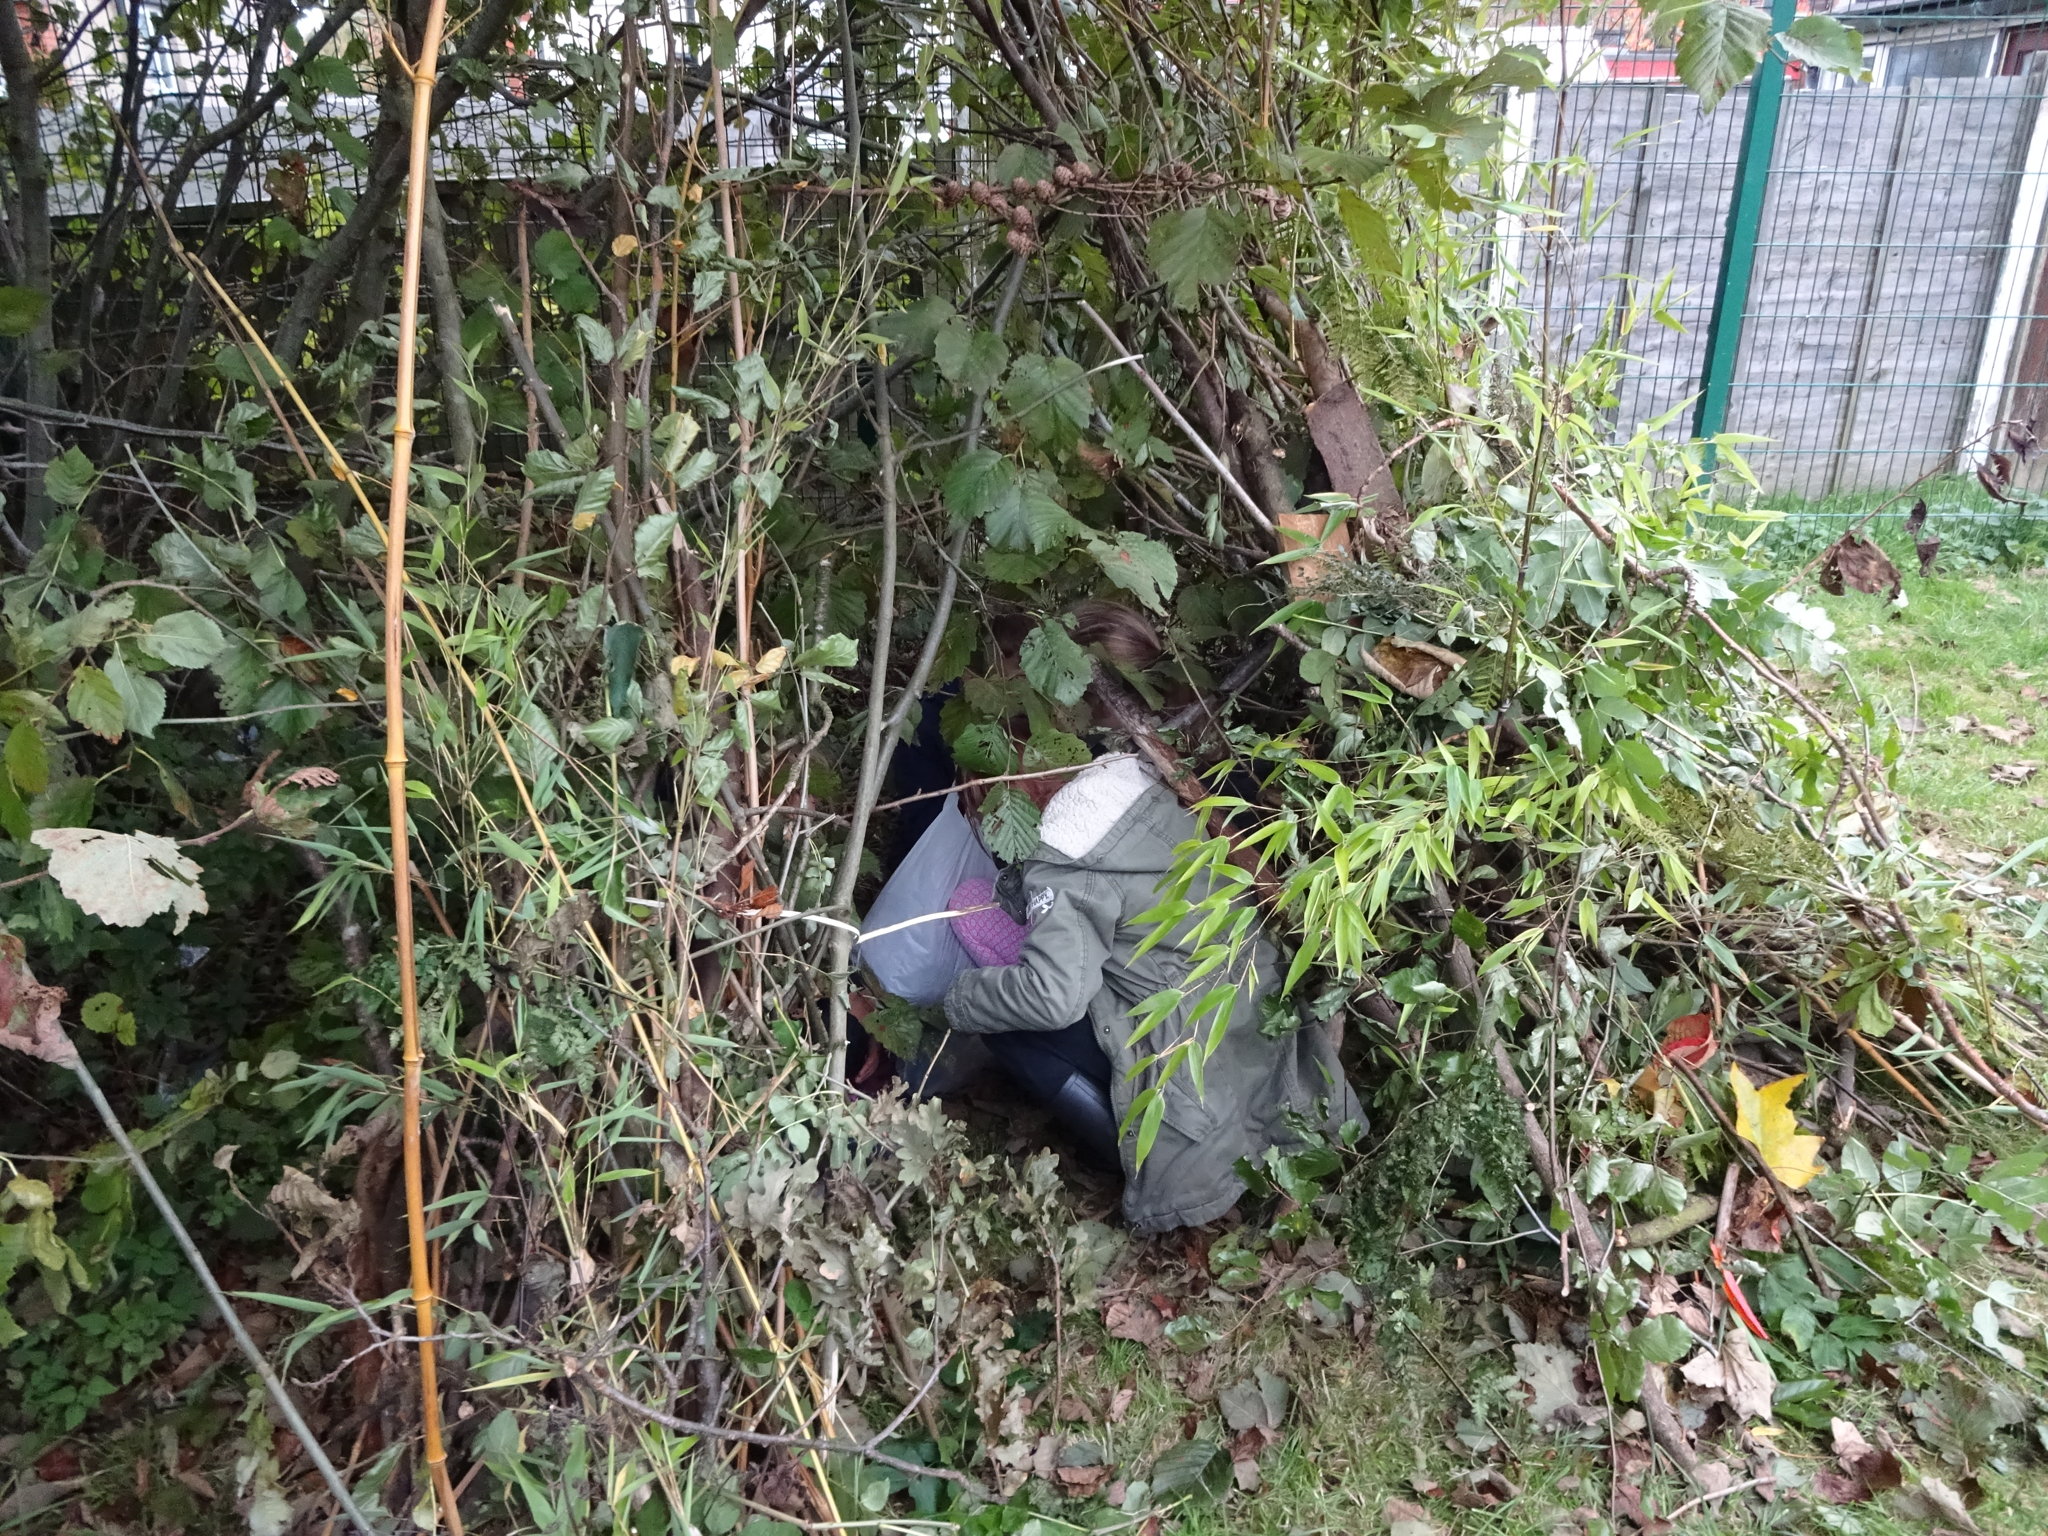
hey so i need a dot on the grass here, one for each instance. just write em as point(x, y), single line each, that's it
point(1966, 647)
point(1365, 1428)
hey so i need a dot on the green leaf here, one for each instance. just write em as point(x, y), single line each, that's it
point(17, 823)
point(1371, 236)
point(651, 545)
point(973, 359)
point(1194, 246)
point(984, 748)
point(68, 478)
point(835, 650)
point(1050, 396)
point(28, 760)
point(186, 639)
point(1020, 567)
point(1183, 1466)
point(610, 734)
point(977, 483)
point(95, 703)
point(1142, 567)
point(1663, 1338)
point(142, 696)
point(105, 1014)
point(696, 469)
point(913, 329)
point(593, 497)
point(1720, 47)
point(597, 341)
point(1055, 664)
point(1052, 748)
point(621, 655)
point(554, 256)
point(1030, 517)
point(1519, 69)
point(1821, 41)
point(20, 309)
point(1009, 824)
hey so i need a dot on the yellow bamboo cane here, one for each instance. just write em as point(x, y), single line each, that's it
point(421, 71)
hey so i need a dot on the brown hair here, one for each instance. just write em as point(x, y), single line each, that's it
point(1125, 636)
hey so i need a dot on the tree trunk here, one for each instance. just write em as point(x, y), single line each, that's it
point(30, 218)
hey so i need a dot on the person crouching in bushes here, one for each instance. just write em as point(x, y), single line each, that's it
point(1058, 1005)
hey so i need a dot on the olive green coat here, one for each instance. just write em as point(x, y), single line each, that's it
point(1107, 840)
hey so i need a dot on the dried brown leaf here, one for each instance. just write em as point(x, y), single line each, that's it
point(1853, 561)
point(1133, 1318)
point(28, 1009)
point(1416, 667)
point(1406, 1519)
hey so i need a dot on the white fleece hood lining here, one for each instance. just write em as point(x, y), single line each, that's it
point(1081, 815)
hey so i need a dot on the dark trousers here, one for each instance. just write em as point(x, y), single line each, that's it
point(1042, 1060)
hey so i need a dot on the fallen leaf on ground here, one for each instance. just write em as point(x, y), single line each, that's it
point(1405, 1519)
point(1120, 1403)
point(1747, 1378)
point(1182, 1466)
point(1482, 1488)
point(1763, 1118)
point(1246, 1475)
point(1704, 1371)
point(1936, 1502)
point(1871, 1468)
point(1133, 1318)
point(1081, 1482)
point(1689, 1040)
point(1758, 1225)
point(1257, 1403)
point(2014, 773)
point(1547, 1371)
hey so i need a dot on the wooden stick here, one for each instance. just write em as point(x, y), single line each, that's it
point(1863, 1045)
point(403, 431)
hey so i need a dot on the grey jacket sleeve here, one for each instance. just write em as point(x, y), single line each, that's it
point(1061, 969)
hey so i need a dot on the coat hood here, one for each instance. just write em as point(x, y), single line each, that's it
point(1114, 816)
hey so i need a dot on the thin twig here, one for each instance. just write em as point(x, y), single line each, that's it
point(866, 1452)
point(1165, 403)
point(276, 1388)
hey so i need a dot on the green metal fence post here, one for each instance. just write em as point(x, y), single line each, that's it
point(1738, 246)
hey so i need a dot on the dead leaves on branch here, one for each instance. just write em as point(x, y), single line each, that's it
point(1853, 561)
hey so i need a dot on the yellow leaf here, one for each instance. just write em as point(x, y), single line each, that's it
point(624, 246)
point(682, 666)
point(769, 663)
point(583, 520)
point(1763, 1118)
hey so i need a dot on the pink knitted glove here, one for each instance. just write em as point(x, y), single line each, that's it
point(990, 938)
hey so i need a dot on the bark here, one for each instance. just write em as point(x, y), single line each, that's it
point(30, 220)
point(481, 35)
point(458, 418)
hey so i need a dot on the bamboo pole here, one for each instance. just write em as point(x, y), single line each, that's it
point(421, 73)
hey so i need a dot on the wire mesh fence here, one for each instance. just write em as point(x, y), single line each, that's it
point(1896, 315)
